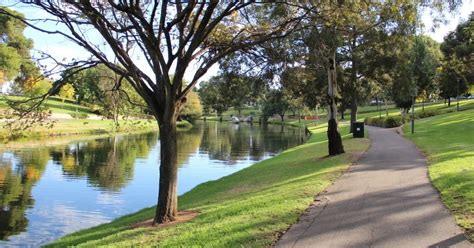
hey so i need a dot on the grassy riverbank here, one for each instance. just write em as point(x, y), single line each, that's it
point(448, 142)
point(66, 131)
point(55, 104)
point(64, 126)
point(71, 129)
point(248, 208)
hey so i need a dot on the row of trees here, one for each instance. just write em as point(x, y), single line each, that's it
point(257, 40)
point(381, 65)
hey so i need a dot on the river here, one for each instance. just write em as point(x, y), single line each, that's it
point(48, 192)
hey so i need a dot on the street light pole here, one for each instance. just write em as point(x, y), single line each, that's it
point(413, 114)
point(457, 98)
point(415, 93)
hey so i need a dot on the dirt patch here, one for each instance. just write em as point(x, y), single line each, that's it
point(183, 216)
point(356, 156)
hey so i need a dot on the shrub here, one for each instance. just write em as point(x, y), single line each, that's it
point(387, 122)
point(79, 115)
point(425, 114)
point(392, 121)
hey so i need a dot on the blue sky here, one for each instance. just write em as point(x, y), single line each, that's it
point(61, 48)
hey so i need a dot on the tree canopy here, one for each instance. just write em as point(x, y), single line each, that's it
point(14, 46)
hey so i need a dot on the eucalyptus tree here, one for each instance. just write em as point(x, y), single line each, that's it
point(275, 103)
point(456, 73)
point(211, 95)
point(426, 59)
point(15, 60)
point(170, 36)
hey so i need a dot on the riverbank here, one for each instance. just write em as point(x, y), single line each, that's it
point(251, 207)
point(448, 142)
point(69, 130)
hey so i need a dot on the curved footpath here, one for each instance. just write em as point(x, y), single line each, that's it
point(385, 200)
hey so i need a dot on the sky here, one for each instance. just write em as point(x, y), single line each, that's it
point(60, 48)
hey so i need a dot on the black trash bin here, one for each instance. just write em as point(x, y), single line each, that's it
point(358, 131)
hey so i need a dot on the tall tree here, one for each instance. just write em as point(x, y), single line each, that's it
point(456, 73)
point(170, 35)
point(14, 47)
point(275, 103)
point(426, 58)
point(212, 97)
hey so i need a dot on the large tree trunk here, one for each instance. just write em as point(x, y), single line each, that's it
point(334, 137)
point(167, 207)
point(449, 101)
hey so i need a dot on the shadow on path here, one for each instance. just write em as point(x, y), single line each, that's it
point(385, 200)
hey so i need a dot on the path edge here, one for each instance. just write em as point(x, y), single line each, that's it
point(320, 199)
point(399, 131)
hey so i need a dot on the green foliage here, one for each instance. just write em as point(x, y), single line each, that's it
point(67, 91)
point(307, 84)
point(415, 70)
point(458, 45)
point(14, 47)
point(456, 73)
point(10, 62)
point(79, 115)
point(211, 97)
point(192, 109)
point(275, 103)
point(427, 56)
point(444, 139)
point(99, 88)
point(386, 121)
point(40, 88)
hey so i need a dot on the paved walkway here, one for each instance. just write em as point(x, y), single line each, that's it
point(385, 200)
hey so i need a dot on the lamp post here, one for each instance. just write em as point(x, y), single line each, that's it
point(379, 107)
point(457, 97)
point(414, 93)
point(77, 102)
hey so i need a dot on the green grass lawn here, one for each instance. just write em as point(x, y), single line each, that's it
point(73, 129)
point(246, 209)
point(465, 104)
point(448, 142)
point(55, 104)
point(41, 134)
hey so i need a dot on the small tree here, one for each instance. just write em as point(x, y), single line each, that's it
point(275, 103)
point(192, 108)
point(67, 91)
point(212, 97)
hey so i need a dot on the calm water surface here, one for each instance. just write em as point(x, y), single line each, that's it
point(48, 192)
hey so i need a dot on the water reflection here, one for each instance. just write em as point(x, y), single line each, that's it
point(107, 163)
point(51, 191)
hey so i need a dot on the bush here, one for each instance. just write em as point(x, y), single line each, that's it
point(79, 115)
point(425, 114)
point(392, 121)
point(387, 122)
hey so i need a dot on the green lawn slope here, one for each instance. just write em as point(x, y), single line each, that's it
point(246, 209)
point(55, 104)
point(448, 142)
